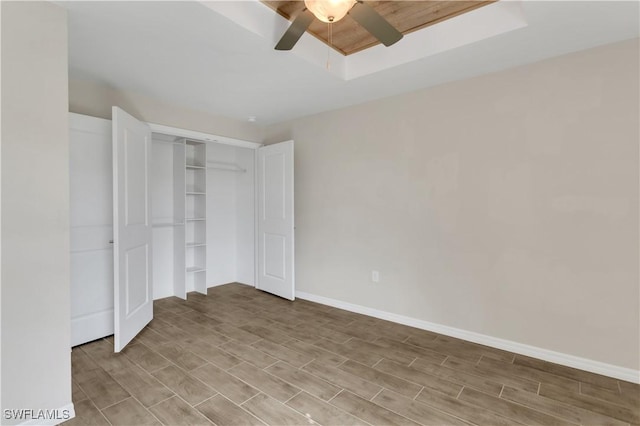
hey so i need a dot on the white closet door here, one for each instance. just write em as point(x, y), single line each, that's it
point(275, 220)
point(91, 220)
point(133, 295)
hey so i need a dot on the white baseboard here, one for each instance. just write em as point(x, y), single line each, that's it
point(211, 285)
point(230, 282)
point(91, 327)
point(46, 422)
point(598, 367)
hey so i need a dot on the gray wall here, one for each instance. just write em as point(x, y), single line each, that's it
point(36, 365)
point(505, 205)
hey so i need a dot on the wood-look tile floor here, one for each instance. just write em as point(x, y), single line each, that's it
point(243, 357)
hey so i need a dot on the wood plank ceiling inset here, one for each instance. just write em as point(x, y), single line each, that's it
point(406, 16)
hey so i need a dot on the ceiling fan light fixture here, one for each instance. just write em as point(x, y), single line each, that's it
point(329, 10)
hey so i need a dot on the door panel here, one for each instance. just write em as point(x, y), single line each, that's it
point(275, 249)
point(91, 221)
point(276, 220)
point(133, 291)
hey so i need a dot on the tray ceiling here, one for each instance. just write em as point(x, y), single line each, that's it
point(217, 57)
point(406, 16)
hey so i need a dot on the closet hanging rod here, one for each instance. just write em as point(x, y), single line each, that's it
point(219, 165)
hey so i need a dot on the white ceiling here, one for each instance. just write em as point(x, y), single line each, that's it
point(219, 57)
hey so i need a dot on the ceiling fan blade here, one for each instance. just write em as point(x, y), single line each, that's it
point(373, 22)
point(295, 30)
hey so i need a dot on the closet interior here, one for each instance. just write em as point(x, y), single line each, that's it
point(203, 220)
point(203, 215)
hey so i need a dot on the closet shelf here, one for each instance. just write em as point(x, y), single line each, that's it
point(193, 219)
point(193, 269)
point(230, 167)
point(166, 224)
point(196, 244)
point(196, 193)
point(193, 166)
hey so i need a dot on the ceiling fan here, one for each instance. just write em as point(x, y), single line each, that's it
point(331, 11)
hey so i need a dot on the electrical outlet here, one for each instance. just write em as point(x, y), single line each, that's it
point(375, 276)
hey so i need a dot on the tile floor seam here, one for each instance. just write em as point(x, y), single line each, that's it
point(395, 412)
point(249, 399)
point(211, 397)
point(155, 352)
point(459, 381)
point(245, 410)
point(345, 372)
point(304, 365)
point(537, 411)
point(553, 374)
point(614, 404)
point(96, 407)
point(115, 403)
point(149, 411)
point(160, 402)
point(442, 363)
point(333, 406)
point(193, 377)
point(145, 372)
point(191, 406)
point(252, 386)
point(378, 362)
point(268, 366)
point(442, 411)
point(341, 390)
point(563, 404)
point(103, 415)
point(354, 415)
point(419, 392)
point(342, 363)
point(294, 385)
point(284, 402)
point(426, 349)
point(83, 391)
point(401, 378)
point(256, 349)
point(378, 393)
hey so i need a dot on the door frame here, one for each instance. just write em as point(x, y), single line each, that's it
point(207, 137)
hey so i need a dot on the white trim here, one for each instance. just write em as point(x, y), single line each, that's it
point(46, 422)
point(192, 134)
point(573, 361)
point(256, 212)
point(83, 122)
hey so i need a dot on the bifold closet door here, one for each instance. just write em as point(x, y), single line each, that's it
point(132, 227)
point(275, 220)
